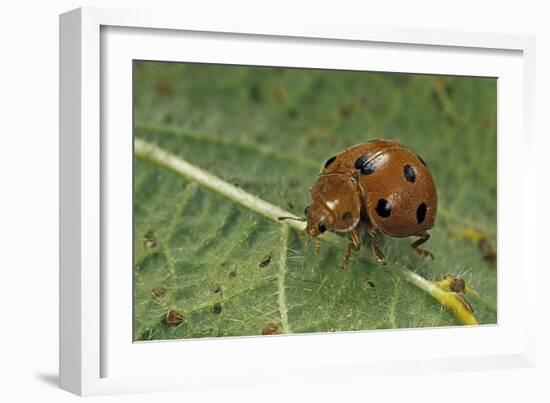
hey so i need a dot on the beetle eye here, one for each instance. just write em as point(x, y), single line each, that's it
point(306, 211)
point(322, 227)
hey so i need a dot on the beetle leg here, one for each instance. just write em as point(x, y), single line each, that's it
point(423, 237)
point(373, 235)
point(355, 244)
point(318, 246)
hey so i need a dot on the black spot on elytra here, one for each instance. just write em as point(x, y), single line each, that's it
point(365, 165)
point(347, 216)
point(421, 160)
point(383, 208)
point(329, 161)
point(409, 172)
point(322, 227)
point(421, 213)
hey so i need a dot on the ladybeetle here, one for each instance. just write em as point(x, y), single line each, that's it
point(383, 185)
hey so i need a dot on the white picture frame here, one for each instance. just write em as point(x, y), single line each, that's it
point(96, 354)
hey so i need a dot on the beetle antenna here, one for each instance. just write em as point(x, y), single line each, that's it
point(292, 218)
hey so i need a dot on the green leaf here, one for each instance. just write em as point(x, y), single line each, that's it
point(208, 264)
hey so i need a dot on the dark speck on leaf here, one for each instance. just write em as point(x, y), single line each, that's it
point(173, 317)
point(487, 250)
point(457, 285)
point(168, 118)
point(265, 262)
point(280, 94)
point(232, 274)
point(370, 284)
point(346, 110)
point(163, 88)
point(158, 292)
point(217, 308)
point(216, 288)
point(149, 240)
point(293, 183)
point(255, 93)
point(270, 328)
point(292, 113)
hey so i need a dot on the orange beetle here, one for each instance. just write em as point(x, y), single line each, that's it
point(383, 185)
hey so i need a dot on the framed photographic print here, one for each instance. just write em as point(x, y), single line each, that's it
point(273, 198)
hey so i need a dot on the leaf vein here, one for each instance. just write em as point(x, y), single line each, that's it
point(281, 298)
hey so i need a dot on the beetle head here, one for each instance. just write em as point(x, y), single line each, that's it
point(319, 218)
